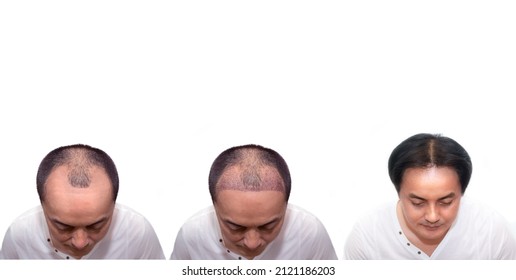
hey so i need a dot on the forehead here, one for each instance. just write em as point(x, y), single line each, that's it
point(431, 180)
point(250, 207)
point(66, 202)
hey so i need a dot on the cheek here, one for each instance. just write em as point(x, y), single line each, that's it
point(413, 214)
point(59, 235)
point(98, 235)
point(232, 236)
point(269, 236)
point(450, 213)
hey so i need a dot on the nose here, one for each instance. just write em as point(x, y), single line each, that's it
point(80, 239)
point(252, 240)
point(432, 215)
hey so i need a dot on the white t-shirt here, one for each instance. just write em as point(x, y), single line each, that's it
point(302, 237)
point(130, 236)
point(478, 233)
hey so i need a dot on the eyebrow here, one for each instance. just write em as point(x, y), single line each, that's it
point(55, 221)
point(263, 225)
point(450, 195)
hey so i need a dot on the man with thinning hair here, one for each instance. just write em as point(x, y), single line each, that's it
point(78, 217)
point(250, 217)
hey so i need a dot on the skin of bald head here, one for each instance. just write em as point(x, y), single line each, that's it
point(79, 160)
point(249, 168)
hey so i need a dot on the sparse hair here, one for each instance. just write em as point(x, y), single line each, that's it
point(429, 150)
point(253, 163)
point(79, 158)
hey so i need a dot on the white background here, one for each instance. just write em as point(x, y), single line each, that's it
point(333, 86)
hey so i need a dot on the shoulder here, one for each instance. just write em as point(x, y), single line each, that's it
point(130, 226)
point(370, 233)
point(200, 221)
point(26, 236)
point(300, 221)
point(373, 224)
point(380, 216)
point(493, 238)
point(472, 209)
point(297, 215)
point(126, 213)
point(34, 212)
point(125, 218)
point(305, 231)
point(473, 213)
point(198, 237)
point(32, 217)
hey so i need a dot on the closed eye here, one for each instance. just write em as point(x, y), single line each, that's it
point(446, 202)
point(96, 227)
point(63, 227)
point(268, 226)
point(235, 227)
point(417, 202)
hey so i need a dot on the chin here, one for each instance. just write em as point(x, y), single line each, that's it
point(433, 234)
point(252, 254)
